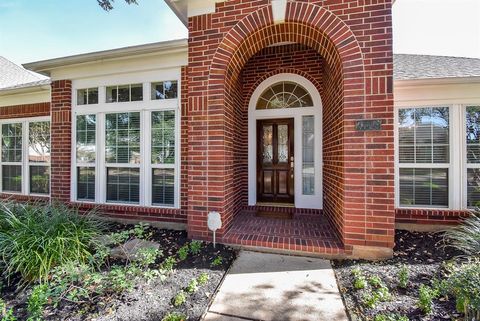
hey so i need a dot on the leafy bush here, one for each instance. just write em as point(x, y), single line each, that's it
point(179, 299)
point(195, 247)
point(168, 264)
point(183, 252)
point(35, 238)
point(464, 285)
point(403, 276)
point(466, 236)
point(37, 301)
point(203, 279)
point(360, 282)
point(175, 317)
point(192, 286)
point(6, 314)
point(390, 317)
point(147, 256)
point(217, 261)
point(371, 299)
point(375, 281)
point(426, 295)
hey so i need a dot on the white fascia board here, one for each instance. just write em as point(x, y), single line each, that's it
point(22, 97)
point(435, 81)
point(167, 47)
point(440, 92)
point(201, 7)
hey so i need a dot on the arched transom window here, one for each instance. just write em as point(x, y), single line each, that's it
point(284, 94)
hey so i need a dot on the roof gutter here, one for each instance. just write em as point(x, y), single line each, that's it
point(165, 47)
point(24, 90)
point(436, 81)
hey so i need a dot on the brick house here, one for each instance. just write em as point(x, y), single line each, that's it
point(291, 119)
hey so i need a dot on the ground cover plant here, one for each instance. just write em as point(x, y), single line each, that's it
point(432, 276)
point(104, 271)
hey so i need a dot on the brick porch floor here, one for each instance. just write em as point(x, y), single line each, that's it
point(308, 233)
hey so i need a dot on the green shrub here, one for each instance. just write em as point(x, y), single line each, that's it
point(375, 281)
point(426, 295)
point(168, 264)
point(195, 247)
point(390, 317)
point(217, 261)
point(192, 286)
point(179, 299)
point(466, 236)
point(147, 256)
point(37, 301)
point(183, 252)
point(464, 285)
point(403, 276)
point(203, 279)
point(175, 317)
point(360, 282)
point(6, 314)
point(35, 238)
point(371, 299)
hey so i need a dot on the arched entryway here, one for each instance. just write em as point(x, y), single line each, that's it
point(218, 118)
point(285, 143)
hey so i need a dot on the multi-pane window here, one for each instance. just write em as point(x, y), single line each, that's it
point(122, 156)
point(86, 156)
point(128, 154)
point(39, 157)
point(87, 96)
point(164, 90)
point(472, 135)
point(124, 93)
point(163, 157)
point(25, 159)
point(424, 156)
point(12, 146)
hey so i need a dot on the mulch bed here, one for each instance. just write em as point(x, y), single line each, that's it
point(148, 300)
point(424, 256)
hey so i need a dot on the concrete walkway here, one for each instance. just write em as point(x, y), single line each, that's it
point(264, 286)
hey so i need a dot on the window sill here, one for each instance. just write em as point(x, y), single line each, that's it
point(123, 205)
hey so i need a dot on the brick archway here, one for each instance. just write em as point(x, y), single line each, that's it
point(345, 99)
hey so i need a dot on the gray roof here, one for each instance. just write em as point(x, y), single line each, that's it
point(408, 67)
point(13, 76)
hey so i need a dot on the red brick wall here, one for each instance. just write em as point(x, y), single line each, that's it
point(354, 38)
point(427, 216)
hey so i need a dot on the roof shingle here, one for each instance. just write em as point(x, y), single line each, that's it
point(409, 67)
point(13, 76)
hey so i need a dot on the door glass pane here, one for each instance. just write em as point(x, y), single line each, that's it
point(163, 137)
point(283, 143)
point(12, 142)
point(39, 142)
point(308, 153)
point(424, 187)
point(86, 138)
point(122, 140)
point(163, 186)
point(267, 141)
point(86, 183)
point(12, 178)
point(123, 184)
point(40, 179)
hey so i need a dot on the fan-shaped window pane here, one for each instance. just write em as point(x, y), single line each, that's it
point(284, 94)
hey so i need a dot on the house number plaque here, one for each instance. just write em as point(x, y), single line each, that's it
point(368, 124)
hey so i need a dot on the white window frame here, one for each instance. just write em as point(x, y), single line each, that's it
point(145, 107)
point(25, 163)
point(456, 169)
point(464, 163)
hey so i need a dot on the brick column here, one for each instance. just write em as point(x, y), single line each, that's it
point(61, 129)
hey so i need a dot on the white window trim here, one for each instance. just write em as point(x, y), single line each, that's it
point(145, 108)
point(314, 201)
point(457, 183)
point(25, 163)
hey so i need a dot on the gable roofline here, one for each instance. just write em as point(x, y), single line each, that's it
point(164, 47)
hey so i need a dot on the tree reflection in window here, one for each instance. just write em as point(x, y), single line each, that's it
point(284, 94)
